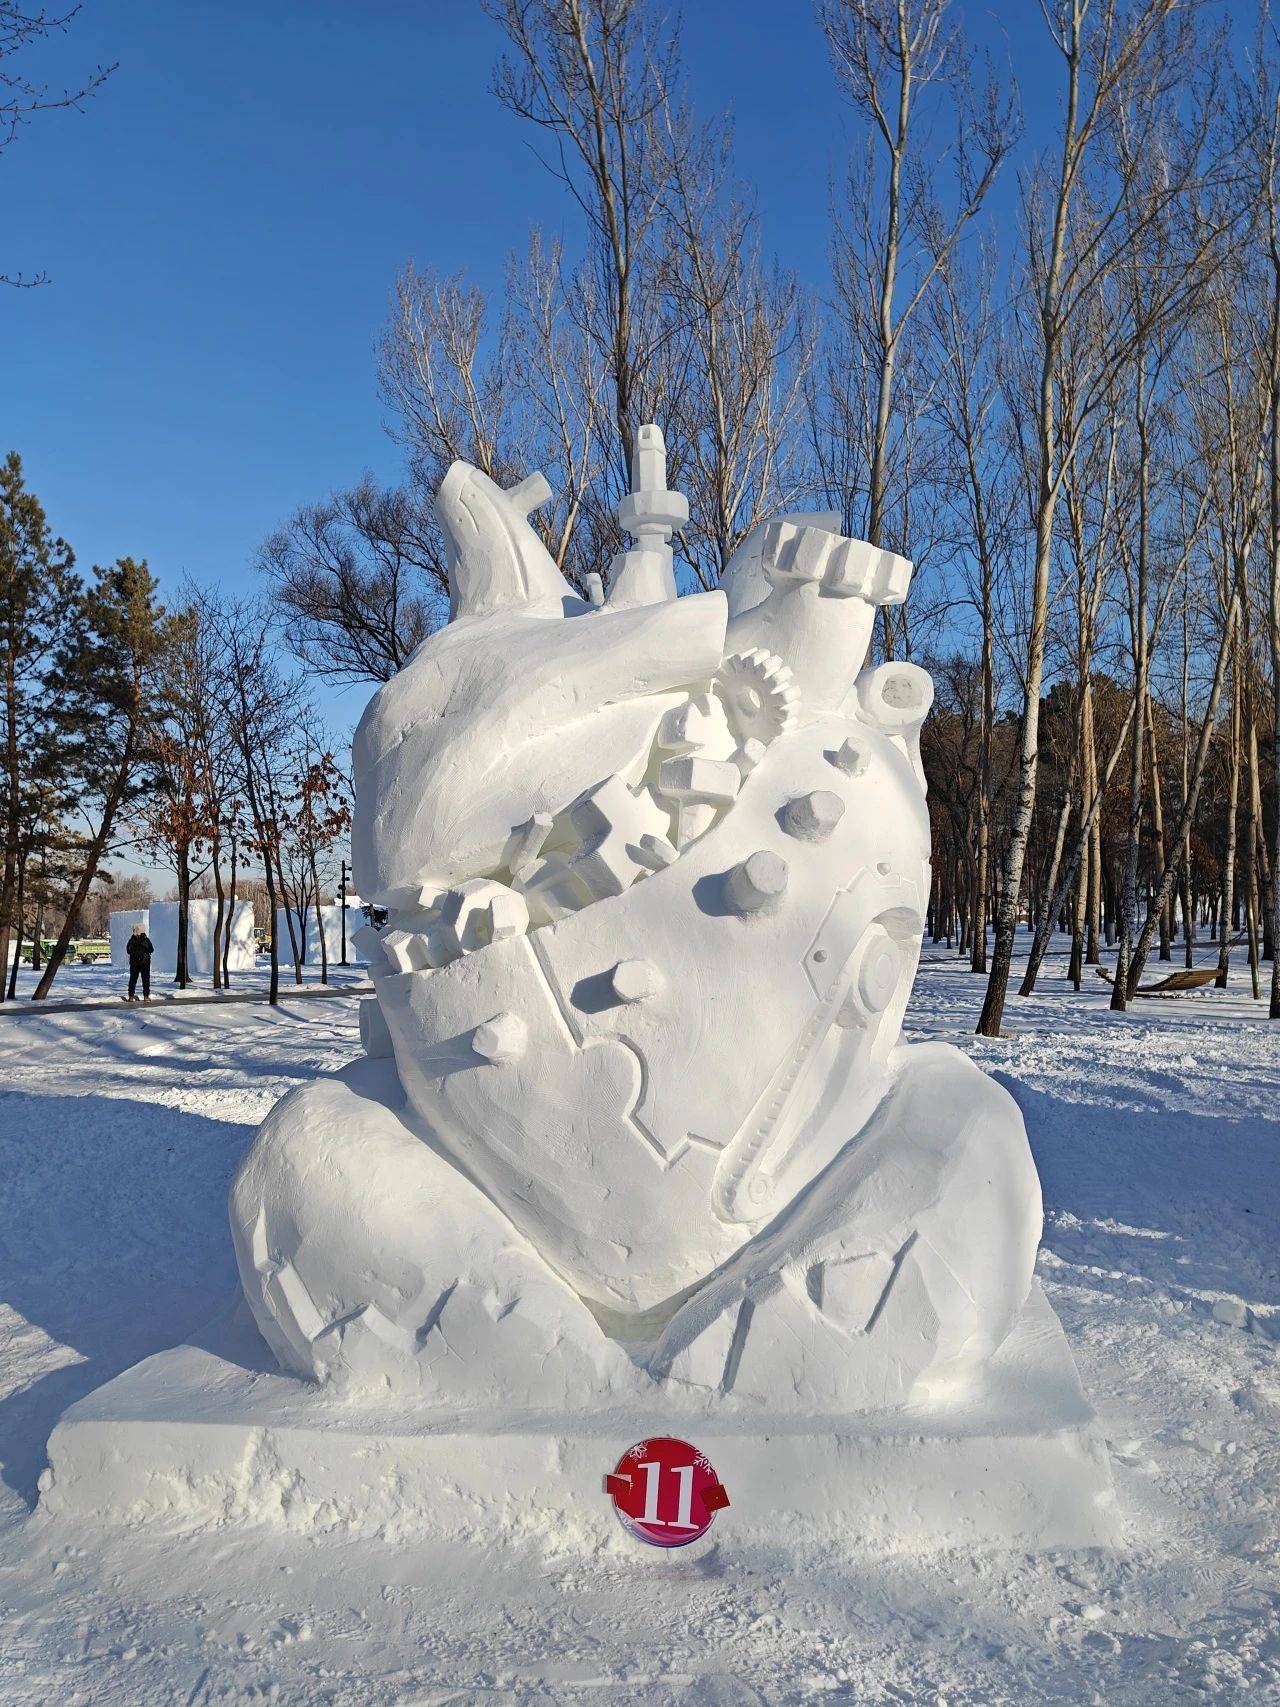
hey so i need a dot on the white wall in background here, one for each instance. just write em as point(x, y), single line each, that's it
point(309, 937)
point(121, 927)
point(201, 921)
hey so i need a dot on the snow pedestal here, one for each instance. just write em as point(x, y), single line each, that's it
point(208, 1434)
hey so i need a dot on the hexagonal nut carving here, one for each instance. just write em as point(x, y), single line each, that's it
point(690, 777)
point(479, 912)
point(508, 916)
point(813, 817)
point(527, 841)
point(618, 835)
point(635, 980)
point(552, 889)
point(501, 1039)
point(655, 852)
point(852, 756)
point(407, 951)
point(607, 868)
point(757, 884)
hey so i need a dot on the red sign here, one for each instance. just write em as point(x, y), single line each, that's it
point(665, 1492)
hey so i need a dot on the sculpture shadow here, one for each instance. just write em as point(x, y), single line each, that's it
point(1131, 1193)
point(113, 1242)
point(710, 898)
point(167, 1037)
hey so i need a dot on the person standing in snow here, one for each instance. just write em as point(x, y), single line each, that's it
point(140, 952)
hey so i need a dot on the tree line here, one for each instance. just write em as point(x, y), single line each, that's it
point(1043, 362)
point(175, 732)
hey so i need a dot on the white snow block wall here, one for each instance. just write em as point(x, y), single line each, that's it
point(201, 922)
point(309, 936)
point(121, 928)
point(243, 952)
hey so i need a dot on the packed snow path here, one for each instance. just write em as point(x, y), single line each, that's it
point(1157, 1140)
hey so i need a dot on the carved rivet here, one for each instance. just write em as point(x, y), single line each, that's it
point(757, 883)
point(878, 975)
point(812, 817)
point(635, 980)
point(500, 1039)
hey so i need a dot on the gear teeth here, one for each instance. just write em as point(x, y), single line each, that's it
point(759, 693)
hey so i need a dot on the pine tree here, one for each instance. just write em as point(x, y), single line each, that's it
point(105, 685)
point(39, 596)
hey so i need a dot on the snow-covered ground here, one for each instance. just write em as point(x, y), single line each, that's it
point(100, 982)
point(1158, 1143)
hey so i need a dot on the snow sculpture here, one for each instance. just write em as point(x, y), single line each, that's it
point(635, 1116)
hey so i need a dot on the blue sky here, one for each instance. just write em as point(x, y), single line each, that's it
point(223, 222)
point(222, 225)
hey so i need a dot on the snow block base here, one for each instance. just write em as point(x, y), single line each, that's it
point(208, 1435)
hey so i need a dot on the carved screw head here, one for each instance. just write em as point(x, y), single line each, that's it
point(852, 756)
point(501, 1039)
point(812, 817)
point(757, 883)
point(635, 980)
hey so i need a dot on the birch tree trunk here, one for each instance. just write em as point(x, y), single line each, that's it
point(1232, 820)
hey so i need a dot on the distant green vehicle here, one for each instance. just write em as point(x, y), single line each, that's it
point(91, 952)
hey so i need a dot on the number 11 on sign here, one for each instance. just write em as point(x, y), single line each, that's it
point(653, 1472)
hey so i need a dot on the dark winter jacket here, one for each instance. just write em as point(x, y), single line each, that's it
point(140, 949)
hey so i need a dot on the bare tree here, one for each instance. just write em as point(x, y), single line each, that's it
point(507, 391)
point(1258, 123)
point(559, 418)
point(1227, 414)
point(595, 78)
point(1153, 569)
point(450, 394)
point(22, 98)
point(964, 318)
point(317, 813)
point(738, 350)
point(903, 222)
point(1124, 67)
point(171, 818)
point(359, 579)
point(262, 709)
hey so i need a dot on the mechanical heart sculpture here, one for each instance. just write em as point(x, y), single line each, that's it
point(635, 1113)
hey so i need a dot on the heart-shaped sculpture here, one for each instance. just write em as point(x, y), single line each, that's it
point(655, 873)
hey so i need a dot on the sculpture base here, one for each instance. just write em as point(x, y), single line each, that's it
point(208, 1435)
